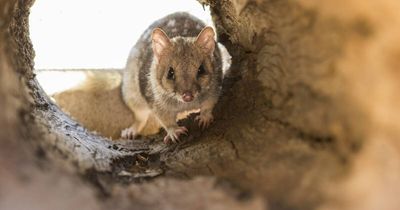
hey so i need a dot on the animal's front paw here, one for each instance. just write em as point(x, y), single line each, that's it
point(174, 133)
point(128, 133)
point(204, 120)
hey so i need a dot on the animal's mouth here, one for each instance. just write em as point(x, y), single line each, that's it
point(180, 99)
point(187, 96)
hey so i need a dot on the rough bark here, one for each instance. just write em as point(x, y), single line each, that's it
point(308, 120)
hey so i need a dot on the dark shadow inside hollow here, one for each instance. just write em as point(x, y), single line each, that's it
point(272, 136)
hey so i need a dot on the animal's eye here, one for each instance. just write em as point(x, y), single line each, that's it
point(171, 74)
point(201, 71)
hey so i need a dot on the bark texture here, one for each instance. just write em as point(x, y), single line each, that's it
point(308, 120)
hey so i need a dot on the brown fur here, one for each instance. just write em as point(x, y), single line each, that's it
point(185, 57)
point(149, 92)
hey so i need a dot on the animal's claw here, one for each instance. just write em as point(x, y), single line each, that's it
point(173, 134)
point(204, 120)
point(128, 133)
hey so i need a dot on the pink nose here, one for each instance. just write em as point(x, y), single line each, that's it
point(187, 96)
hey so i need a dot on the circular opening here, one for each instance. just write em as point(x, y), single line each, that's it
point(82, 48)
point(247, 154)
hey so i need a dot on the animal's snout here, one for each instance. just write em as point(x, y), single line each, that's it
point(187, 96)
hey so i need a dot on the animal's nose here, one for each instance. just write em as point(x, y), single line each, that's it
point(187, 96)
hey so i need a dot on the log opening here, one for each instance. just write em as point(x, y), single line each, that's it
point(292, 121)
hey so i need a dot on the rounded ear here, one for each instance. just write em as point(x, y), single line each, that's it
point(205, 40)
point(160, 42)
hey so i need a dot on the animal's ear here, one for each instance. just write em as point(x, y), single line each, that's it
point(205, 40)
point(160, 42)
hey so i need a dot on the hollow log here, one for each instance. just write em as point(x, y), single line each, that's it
point(308, 119)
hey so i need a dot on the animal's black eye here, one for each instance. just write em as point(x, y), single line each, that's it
point(171, 74)
point(201, 71)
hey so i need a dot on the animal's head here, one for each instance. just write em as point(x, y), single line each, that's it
point(184, 68)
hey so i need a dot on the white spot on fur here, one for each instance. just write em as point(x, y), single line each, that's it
point(147, 34)
point(171, 23)
point(186, 25)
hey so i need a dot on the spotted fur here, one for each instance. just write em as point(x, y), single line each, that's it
point(156, 100)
